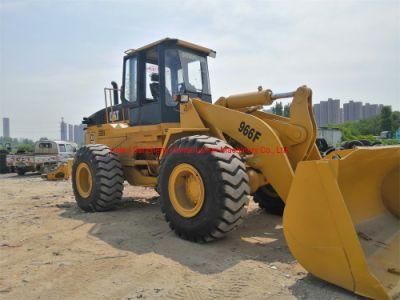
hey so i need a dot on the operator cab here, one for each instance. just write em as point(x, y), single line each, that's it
point(153, 77)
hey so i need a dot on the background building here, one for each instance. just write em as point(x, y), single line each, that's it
point(327, 112)
point(70, 132)
point(79, 134)
point(371, 110)
point(6, 127)
point(333, 136)
point(341, 115)
point(63, 130)
point(352, 111)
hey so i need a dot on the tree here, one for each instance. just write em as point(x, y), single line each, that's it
point(278, 109)
point(396, 120)
point(286, 111)
point(386, 119)
point(25, 147)
point(368, 128)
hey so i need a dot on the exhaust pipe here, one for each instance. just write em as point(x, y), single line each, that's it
point(115, 92)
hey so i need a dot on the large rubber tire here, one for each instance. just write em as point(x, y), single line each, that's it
point(268, 199)
point(107, 178)
point(354, 144)
point(225, 183)
point(365, 143)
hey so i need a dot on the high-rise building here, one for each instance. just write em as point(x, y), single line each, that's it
point(6, 127)
point(330, 112)
point(79, 134)
point(352, 111)
point(317, 112)
point(323, 117)
point(371, 110)
point(63, 130)
point(70, 132)
point(333, 111)
point(341, 115)
point(327, 112)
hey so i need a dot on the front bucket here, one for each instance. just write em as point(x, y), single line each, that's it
point(341, 220)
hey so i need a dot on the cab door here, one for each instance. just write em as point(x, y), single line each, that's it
point(147, 110)
point(130, 85)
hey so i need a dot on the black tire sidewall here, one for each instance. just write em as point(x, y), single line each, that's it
point(83, 155)
point(208, 216)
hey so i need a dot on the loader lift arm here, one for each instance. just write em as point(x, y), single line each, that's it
point(262, 134)
point(356, 195)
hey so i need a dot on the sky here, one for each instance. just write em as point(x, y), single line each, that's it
point(57, 56)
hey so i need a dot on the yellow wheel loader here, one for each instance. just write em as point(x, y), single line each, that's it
point(61, 172)
point(161, 129)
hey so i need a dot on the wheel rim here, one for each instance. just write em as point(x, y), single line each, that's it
point(186, 190)
point(84, 180)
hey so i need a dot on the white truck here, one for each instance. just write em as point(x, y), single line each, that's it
point(47, 156)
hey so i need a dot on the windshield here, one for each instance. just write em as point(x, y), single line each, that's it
point(185, 72)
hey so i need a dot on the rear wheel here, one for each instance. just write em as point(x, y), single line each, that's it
point(203, 187)
point(269, 200)
point(97, 178)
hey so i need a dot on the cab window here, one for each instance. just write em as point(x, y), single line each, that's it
point(130, 83)
point(61, 148)
point(185, 72)
point(45, 145)
point(194, 75)
point(152, 82)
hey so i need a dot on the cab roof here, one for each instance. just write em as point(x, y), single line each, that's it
point(182, 43)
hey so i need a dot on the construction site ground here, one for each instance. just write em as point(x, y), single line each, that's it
point(51, 249)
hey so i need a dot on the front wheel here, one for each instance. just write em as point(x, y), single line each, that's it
point(203, 187)
point(97, 178)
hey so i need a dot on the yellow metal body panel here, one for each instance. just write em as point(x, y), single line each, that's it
point(135, 177)
point(63, 171)
point(343, 227)
point(273, 166)
point(338, 153)
point(281, 143)
point(331, 203)
point(128, 142)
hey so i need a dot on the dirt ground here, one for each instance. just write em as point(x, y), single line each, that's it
point(50, 249)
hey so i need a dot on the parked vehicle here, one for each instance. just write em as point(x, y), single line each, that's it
point(385, 135)
point(4, 154)
point(47, 156)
